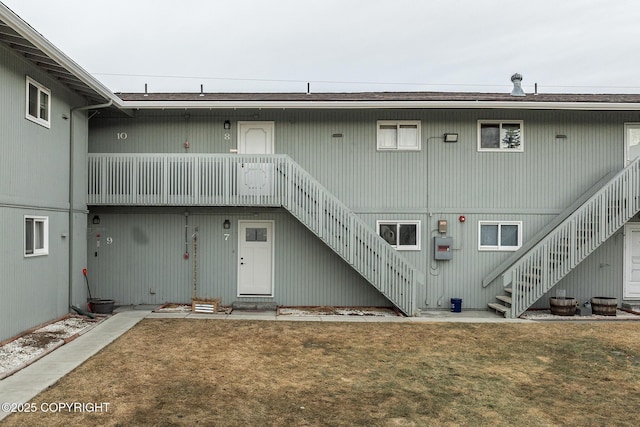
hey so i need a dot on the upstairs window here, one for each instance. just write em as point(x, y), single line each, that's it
point(398, 135)
point(402, 235)
point(38, 103)
point(36, 235)
point(499, 235)
point(505, 136)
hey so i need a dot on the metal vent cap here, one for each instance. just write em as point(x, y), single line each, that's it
point(517, 85)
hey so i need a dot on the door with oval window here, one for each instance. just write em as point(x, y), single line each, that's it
point(255, 178)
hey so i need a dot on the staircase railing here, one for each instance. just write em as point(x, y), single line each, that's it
point(544, 265)
point(255, 180)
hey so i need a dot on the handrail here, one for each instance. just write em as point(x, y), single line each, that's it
point(544, 265)
point(255, 180)
point(504, 265)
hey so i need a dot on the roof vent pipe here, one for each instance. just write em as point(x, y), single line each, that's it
point(517, 85)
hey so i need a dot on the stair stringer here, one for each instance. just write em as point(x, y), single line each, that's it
point(573, 240)
point(350, 238)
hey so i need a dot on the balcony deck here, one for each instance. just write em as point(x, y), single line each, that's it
point(187, 180)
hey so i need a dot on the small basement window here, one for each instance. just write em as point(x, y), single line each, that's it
point(505, 136)
point(38, 103)
point(402, 235)
point(36, 235)
point(398, 135)
point(499, 235)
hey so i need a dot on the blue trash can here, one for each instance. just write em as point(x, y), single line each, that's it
point(456, 305)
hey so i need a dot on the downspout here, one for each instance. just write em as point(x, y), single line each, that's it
point(71, 189)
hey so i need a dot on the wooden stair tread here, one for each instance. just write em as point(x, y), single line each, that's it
point(504, 298)
point(498, 307)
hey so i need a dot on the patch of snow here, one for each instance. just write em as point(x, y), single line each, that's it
point(66, 327)
point(175, 308)
point(332, 311)
point(546, 315)
point(29, 347)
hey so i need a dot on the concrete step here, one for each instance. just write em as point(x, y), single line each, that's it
point(632, 305)
point(508, 290)
point(254, 306)
point(501, 309)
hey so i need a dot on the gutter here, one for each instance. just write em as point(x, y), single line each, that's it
point(72, 167)
point(504, 105)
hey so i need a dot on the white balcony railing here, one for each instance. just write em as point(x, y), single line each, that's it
point(255, 180)
point(186, 180)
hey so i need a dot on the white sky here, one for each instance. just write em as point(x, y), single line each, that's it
point(280, 45)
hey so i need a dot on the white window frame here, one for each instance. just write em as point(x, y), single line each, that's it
point(31, 250)
point(499, 246)
point(629, 141)
point(398, 223)
point(520, 148)
point(40, 90)
point(398, 123)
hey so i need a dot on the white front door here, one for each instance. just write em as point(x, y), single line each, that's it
point(255, 258)
point(255, 137)
point(632, 142)
point(632, 261)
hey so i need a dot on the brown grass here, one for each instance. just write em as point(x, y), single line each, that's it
point(250, 373)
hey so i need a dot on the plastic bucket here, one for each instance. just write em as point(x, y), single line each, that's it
point(456, 305)
point(101, 306)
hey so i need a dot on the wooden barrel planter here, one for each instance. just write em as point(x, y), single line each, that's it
point(604, 306)
point(563, 306)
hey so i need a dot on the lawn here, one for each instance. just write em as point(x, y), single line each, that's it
point(253, 373)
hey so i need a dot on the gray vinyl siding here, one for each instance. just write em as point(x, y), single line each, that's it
point(547, 176)
point(34, 160)
point(34, 290)
point(442, 181)
point(34, 180)
point(147, 255)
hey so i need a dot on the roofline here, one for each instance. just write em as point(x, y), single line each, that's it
point(511, 105)
point(39, 41)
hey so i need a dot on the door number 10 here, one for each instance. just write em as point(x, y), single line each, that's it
point(121, 135)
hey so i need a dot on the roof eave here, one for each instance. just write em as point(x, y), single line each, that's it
point(512, 105)
point(35, 38)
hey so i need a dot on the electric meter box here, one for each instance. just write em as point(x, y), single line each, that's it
point(442, 248)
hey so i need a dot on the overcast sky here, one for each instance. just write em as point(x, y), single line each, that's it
point(346, 45)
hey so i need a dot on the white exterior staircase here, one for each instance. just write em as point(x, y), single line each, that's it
point(541, 267)
point(255, 180)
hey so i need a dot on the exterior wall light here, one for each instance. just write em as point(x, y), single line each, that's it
point(227, 124)
point(95, 220)
point(450, 137)
point(226, 224)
